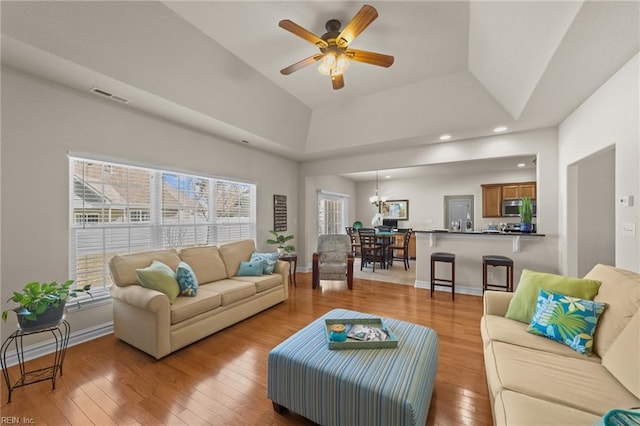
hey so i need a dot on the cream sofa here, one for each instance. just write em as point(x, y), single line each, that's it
point(144, 318)
point(536, 381)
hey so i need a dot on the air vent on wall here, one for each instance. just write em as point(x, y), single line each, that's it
point(110, 95)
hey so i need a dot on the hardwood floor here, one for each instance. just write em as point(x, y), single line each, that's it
point(222, 379)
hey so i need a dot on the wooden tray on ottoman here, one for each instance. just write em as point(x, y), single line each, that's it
point(350, 343)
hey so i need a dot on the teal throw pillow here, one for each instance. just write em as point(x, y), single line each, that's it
point(251, 269)
point(186, 280)
point(159, 276)
point(269, 259)
point(566, 319)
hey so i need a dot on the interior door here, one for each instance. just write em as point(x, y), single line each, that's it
point(457, 207)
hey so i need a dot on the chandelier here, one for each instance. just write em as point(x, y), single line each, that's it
point(377, 200)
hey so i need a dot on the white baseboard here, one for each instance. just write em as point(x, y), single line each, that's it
point(48, 346)
point(473, 291)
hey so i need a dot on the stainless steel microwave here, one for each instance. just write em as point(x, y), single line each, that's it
point(512, 207)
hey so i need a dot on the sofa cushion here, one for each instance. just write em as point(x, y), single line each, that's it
point(205, 262)
point(263, 282)
point(497, 328)
point(188, 307)
point(269, 259)
point(580, 384)
point(253, 268)
point(569, 320)
point(622, 359)
point(160, 277)
point(123, 267)
point(234, 253)
point(231, 290)
point(513, 408)
point(620, 290)
point(523, 304)
point(186, 280)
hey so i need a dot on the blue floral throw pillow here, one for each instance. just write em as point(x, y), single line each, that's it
point(186, 280)
point(269, 259)
point(566, 319)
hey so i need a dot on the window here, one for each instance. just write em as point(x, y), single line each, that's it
point(331, 213)
point(119, 209)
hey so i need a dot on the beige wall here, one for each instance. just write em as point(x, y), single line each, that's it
point(607, 118)
point(42, 122)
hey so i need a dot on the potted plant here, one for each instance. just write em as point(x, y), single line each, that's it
point(525, 215)
point(42, 305)
point(281, 240)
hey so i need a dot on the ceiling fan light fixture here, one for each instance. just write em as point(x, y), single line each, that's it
point(324, 69)
point(333, 64)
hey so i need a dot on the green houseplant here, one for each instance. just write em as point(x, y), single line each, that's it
point(280, 241)
point(42, 304)
point(526, 213)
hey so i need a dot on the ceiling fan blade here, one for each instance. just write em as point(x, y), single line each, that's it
point(366, 15)
point(372, 58)
point(301, 64)
point(337, 81)
point(303, 33)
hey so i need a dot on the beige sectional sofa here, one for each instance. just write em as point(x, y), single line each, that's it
point(536, 381)
point(146, 319)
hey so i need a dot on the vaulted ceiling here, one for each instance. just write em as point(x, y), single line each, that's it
point(461, 67)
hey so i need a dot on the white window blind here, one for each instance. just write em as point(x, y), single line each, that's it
point(119, 209)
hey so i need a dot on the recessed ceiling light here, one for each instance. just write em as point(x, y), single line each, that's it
point(500, 129)
point(387, 177)
point(445, 137)
point(521, 164)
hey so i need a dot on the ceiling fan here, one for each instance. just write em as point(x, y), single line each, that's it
point(334, 46)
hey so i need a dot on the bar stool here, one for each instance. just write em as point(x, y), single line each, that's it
point(495, 260)
point(448, 258)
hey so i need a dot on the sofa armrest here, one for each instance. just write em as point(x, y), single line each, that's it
point(142, 318)
point(282, 268)
point(496, 302)
point(141, 297)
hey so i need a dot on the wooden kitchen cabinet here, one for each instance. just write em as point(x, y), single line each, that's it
point(519, 190)
point(493, 195)
point(492, 200)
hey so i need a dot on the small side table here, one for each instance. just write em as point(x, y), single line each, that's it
point(293, 261)
point(60, 333)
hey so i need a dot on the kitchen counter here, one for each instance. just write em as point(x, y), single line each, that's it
point(528, 250)
point(515, 236)
point(490, 233)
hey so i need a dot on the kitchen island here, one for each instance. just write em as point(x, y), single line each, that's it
point(528, 251)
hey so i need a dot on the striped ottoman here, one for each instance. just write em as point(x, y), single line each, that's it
point(355, 386)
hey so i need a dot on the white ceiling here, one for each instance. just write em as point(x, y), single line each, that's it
point(461, 67)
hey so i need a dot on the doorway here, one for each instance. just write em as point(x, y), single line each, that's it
point(591, 212)
point(457, 208)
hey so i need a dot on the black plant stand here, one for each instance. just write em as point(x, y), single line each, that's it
point(60, 333)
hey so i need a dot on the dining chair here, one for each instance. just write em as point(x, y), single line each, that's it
point(406, 238)
point(370, 248)
point(355, 241)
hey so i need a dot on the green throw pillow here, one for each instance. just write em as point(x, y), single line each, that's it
point(161, 277)
point(523, 303)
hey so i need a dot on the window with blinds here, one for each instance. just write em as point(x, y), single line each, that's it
point(119, 209)
point(331, 213)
